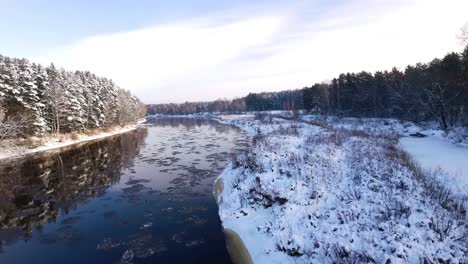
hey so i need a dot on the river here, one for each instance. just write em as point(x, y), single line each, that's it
point(141, 197)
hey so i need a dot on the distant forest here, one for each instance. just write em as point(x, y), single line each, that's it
point(426, 91)
point(35, 100)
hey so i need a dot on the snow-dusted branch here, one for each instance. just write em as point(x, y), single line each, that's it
point(464, 34)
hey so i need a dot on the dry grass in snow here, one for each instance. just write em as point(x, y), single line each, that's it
point(312, 192)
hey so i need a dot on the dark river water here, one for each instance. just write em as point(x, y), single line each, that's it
point(141, 197)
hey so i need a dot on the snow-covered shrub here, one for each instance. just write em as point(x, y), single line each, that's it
point(262, 116)
point(288, 130)
point(339, 195)
point(352, 194)
point(396, 209)
point(442, 226)
point(458, 135)
point(341, 254)
point(247, 161)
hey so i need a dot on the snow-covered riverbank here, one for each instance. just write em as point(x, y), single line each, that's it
point(11, 151)
point(317, 191)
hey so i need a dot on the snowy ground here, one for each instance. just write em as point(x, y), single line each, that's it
point(8, 151)
point(341, 191)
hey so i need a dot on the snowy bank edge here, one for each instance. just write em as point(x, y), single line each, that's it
point(237, 248)
point(235, 244)
point(58, 146)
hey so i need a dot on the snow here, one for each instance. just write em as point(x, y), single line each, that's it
point(53, 98)
point(434, 154)
point(317, 191)
point(52, 143)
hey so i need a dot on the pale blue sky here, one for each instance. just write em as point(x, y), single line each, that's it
point(30, 27)
point(174, 51)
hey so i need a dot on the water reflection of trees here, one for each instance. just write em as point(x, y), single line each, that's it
point(35, 190)
point(189, 123)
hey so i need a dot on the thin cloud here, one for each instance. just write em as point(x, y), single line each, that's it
point(208, 58)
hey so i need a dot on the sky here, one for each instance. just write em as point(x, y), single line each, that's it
point(177, 51)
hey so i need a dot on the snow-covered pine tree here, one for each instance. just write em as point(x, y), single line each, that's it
point(42, 83)
point(8, 89)
point(124, 106)
point(78, 93)
point(109, 99)
point(30, 98)
point(94, 107)
point(55, 98)
point(73, 106)
point(3, 79)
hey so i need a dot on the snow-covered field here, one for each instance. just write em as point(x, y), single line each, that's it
point(50, 143)
point(340, 191)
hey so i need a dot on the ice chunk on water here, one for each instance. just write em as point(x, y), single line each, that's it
point(146, 225)
point(107, 243)
point(194, 243)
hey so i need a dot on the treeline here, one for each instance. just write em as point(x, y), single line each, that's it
point(426, 91)
point(236, 105)
point(285, 100)
point(35, 100)
point(288, 100)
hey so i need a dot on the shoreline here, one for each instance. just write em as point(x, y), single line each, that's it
point(54, 143)
point(236, 247)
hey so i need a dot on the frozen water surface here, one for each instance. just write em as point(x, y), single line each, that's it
point(436, 154)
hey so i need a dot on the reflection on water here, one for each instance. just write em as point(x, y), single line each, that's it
point(34, 191)
point(142, 197)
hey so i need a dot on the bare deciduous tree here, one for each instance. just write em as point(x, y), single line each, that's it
point(437, 101)
point(464, 34)
point(12, 126)
point(56, 99)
